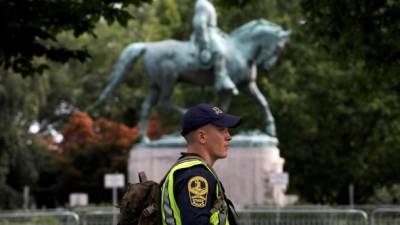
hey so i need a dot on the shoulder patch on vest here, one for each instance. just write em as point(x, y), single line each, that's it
point(198, 190)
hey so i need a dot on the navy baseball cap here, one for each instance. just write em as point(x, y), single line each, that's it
point(202, 114)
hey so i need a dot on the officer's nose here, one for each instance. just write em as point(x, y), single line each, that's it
point(228, 136)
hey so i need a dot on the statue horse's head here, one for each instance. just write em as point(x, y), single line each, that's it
point(273, 39)
point(267, 38)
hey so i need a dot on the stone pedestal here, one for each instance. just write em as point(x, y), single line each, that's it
point(246, 173)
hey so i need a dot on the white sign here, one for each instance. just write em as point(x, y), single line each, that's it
point(279, 178)
point(78, 199)
point(114, 180)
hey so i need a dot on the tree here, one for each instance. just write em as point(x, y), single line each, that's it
point(21, 153)
point(29, 40)
point(90, 149)
point(30, 29)
point(354, 111)
point(335, 107)
point(357, 32)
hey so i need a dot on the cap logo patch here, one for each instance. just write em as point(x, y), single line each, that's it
point(217, 110)
point(198, 190)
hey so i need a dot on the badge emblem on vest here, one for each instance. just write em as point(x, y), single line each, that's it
point(198, 190)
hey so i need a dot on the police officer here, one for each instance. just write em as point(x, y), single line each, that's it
point(191, 192)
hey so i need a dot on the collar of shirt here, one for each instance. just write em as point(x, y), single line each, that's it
point(184, 154)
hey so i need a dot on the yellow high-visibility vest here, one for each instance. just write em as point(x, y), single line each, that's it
point(169, 209)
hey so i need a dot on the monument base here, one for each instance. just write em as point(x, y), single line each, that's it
point(252, 175)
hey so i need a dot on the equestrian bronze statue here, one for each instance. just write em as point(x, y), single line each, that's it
point(256, 43)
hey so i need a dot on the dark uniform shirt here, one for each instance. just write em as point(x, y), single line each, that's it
point(195, 194)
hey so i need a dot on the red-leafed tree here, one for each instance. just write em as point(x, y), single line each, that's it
point(90, 149)
point(82, 131)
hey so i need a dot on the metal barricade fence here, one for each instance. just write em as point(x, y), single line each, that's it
point(100, 217)
point(385, 216)
point(280, 216)
point(269, 216)
point(265, 216)
point(39, 218)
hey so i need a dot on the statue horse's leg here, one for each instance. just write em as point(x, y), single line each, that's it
point(165, 100)
point(252, 89)
point(167, 84)
point(151, 99)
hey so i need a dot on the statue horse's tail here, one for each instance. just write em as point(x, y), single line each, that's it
point(124, 64)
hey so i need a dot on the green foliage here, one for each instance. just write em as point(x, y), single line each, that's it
point(21, 153)
point(31, 32)
point(79, 170)
point(386, 195)
point(30, 29)
point(357, 30)
point(349, 94)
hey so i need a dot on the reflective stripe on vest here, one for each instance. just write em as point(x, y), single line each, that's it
point(169, 209)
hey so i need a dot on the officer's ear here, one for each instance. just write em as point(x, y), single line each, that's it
point(196, 137)
point(201, 136)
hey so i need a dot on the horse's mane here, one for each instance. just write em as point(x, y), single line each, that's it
point(243, 31)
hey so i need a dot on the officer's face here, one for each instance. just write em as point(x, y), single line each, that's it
point(217, 141)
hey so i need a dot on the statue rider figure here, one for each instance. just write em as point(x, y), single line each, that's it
point(210, 46)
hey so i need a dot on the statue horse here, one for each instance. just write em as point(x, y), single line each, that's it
point(257, 42)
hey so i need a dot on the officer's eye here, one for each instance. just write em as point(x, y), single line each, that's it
point(223, 129)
